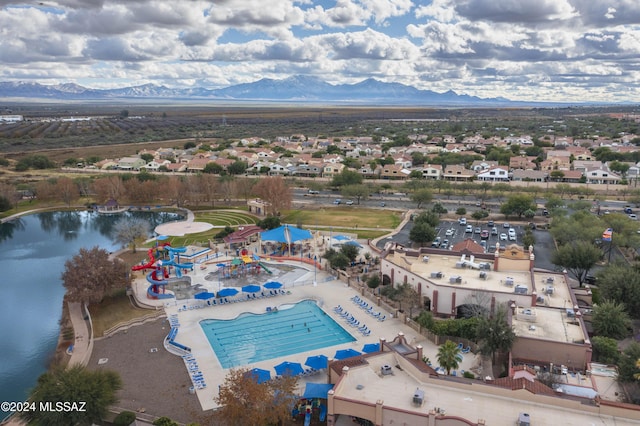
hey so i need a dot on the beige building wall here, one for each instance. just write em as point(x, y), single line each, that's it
point(573, 355)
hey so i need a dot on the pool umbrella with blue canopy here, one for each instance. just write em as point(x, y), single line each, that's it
point(341, 238)
point(204, 295)
point(226, 292)
point(316, 390)
point(317, 361)
point(353, 243)
point(272, 284)
point(371, 347)
point(288, 368)
point(259, 375)
point(251, 288)
point(346, 353)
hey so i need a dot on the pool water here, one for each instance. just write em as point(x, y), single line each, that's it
point(292, 329)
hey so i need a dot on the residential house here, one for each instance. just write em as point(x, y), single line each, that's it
point(602, 176)
point(403, 161)
point(332, 169)
point(557, 160)
point(584, 165)
point(106, 164)
point(522, 162)
point(394, 171)
point(177, 167)
point(308, 170)
point(198, 164)
point(154, 165)
point(432, 171)
point(457, 173)
point(479, 165)
point(131, 163)
point(369, 172)
point(520, 175)
point(494, 174)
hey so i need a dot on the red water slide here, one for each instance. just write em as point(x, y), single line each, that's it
point(152, 260)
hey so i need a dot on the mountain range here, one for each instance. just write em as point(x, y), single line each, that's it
point(299, 89)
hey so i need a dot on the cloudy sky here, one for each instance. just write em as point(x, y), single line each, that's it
point(544, 50)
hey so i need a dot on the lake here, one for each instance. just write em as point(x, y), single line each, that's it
point(33, 250)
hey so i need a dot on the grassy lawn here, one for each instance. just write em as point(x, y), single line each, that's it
point(113, 310)
point(346, 218)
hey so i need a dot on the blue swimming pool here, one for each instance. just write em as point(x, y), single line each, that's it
point(292, 329)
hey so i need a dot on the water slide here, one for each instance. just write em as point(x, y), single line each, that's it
point(307, 418)
point(179, 266)
point(152, 259)
point(323, 412)
point(263, 266)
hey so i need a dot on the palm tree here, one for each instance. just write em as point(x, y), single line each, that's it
point(448, 356)
point(495, 333)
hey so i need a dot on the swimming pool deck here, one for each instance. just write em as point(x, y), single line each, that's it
point(327, 294)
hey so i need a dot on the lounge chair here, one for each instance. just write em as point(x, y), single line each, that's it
point(466, 350)
point(376, 315)
point(382, 318)
point(366, 333)
point(460, 346)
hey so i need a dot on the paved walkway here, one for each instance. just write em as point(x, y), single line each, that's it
point(82, 336)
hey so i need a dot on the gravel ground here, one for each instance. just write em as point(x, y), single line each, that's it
point(154, 382)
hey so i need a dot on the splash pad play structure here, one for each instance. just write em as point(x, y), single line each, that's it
point(160, 276)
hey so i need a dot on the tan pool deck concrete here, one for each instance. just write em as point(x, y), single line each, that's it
point(328, 294)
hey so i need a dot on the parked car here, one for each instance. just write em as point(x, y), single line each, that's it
point(313, 192)
point(628, 210)
point(490, 224)
point(512, 231)
point(382, 204)
point(590, 279)
point(450, 232)
point(478, 230)
point(506, 225)
point(545, 212)
point(633, 217)
point(494, 231)
point(436, 242)
point(444, 244)
point(512, 237)
point(462, 221)
point(503, 237)
point(349, 202)
point(469, 229)
point(484, 235)
point(338, 201)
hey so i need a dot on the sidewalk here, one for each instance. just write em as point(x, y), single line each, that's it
point(81, 347)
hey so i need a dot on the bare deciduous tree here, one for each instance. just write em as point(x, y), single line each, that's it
point(275, 192)
point(90, 275)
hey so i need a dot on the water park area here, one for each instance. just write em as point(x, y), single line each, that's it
point(222, 307)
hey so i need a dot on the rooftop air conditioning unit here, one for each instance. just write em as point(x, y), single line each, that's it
point(524, 419)
point(385, 370)
point(418, 397)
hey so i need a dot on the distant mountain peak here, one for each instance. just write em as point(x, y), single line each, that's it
point(295, 88)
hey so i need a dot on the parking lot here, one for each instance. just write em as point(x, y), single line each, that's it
point(452, 232)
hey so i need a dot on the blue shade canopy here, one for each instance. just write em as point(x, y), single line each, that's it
point(371, 347)
point(204, 295)
point(272, 284)
point(162, 237)
point(289, 369)
point(226, 292)
point(259, 375)
point(341, 238)
point(316, 361)
point(286, 234)
point(251, 288)
point(346, 353)
point(316, 390)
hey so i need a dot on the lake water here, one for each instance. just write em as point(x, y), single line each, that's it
point(33, 250)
